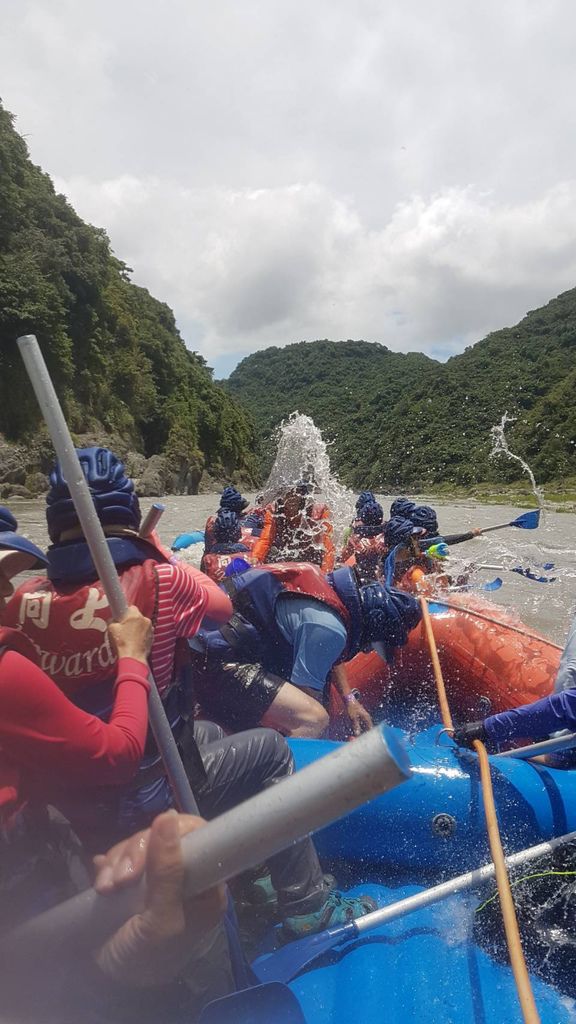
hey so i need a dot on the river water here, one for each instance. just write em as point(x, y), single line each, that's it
point(547, 607)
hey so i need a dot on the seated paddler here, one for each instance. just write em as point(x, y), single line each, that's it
point(292, 632)
point(66, 616)
point(366, 543)
point(425, 517)
point(230, 501)
point(227, 544)
point(301, 529)
point(362, 499)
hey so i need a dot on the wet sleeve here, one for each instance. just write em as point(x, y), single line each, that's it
point(457, 538)
point(449, 539)
point(44, 732)
point(535, 721)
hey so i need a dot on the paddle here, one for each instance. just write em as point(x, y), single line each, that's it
point(523, 571)
point(287, 962)
point(185, 540)
point(527, 521)
point(236, 840)
point(262, 1004)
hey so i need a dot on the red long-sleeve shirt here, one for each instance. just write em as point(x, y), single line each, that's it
point(47, 743)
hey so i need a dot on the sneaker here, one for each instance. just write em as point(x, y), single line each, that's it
point(261, 893)
point(338, 909)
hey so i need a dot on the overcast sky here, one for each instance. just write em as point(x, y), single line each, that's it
point(284, 170)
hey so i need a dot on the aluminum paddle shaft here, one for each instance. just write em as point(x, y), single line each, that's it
point(94, 534)
point(239, 839)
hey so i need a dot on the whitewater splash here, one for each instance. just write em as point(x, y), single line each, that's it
point(302, 454)
point(500, 447)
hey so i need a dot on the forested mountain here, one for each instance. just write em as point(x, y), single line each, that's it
point(406, 420)
point(116, 357)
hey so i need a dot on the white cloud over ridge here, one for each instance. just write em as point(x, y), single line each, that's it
point(257, 267)
point(276, 171)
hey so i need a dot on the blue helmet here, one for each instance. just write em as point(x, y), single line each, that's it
point(227, 528)
point(112, 493)
point(388, 616)
point(371, 513)
point(10, 540)
point(425, 516)
point(232, 500)
point(398, 530)
point(363, 499)
point(402, 507)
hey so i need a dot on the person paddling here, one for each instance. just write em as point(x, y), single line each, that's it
point(49, 747)
point(299, 529)
point(291, 633)
point(367, 542)
point(227, 543)
point(224, 770)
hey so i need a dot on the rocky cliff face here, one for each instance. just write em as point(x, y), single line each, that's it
point(24, 469)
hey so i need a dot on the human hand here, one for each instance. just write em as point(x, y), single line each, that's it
point(464, 735)
point(132, 636)
point(153, 946)
point(476, 531)
point(360, 719)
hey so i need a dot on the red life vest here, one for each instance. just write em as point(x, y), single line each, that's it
point(68, 625)
point(310, 581)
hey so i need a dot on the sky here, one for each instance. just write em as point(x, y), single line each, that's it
point(281, 170)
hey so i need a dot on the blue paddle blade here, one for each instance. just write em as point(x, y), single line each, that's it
point(529, 575)
point(547, 566)
point(527, 521)
point(263, 1004)
point(435, 608)
point(492, 585)
point(285, 963)
point(184, 540)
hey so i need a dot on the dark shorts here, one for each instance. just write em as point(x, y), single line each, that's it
point(234, 694)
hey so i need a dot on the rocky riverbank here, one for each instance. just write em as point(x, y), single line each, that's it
point(24, 469)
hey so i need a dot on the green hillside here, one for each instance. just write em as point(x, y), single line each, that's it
point(115, 354)
point(406, 420)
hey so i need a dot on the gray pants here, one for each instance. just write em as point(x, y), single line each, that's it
point(239, 766)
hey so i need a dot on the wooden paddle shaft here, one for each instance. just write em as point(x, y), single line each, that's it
point(442, 698)
point(519, 969)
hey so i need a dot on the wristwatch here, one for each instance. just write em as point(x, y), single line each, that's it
point(354, 697)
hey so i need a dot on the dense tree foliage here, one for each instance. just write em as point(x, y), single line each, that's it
point(399, 420)
point(114, 351)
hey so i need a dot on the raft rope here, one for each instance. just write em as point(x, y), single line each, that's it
point(525, 878)
point(497, 622)
point(520, 971)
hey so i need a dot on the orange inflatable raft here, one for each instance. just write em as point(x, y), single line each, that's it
point(490, 660)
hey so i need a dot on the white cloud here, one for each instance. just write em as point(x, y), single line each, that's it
point(256, 267)
point(278, 171)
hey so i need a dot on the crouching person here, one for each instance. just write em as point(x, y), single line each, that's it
point(292, 631)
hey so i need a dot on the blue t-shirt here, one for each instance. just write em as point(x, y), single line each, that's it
point(316, 634)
